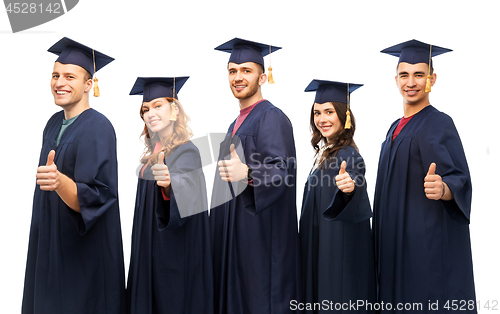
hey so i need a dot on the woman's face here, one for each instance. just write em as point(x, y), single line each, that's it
point(156, 114)
point(326, 120)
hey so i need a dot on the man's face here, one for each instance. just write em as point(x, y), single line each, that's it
point(69, 83)
point(245, 79)
point(411, 80)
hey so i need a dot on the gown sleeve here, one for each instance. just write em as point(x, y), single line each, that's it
point(339, 206)
point(188, 194)
point(440, 143)
point(95, 173)
point(274, 164)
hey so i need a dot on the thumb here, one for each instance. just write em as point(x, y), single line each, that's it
point(432, 169)
point(50, 158)
point(161, 158)
point(234, 154)
point(342, 167)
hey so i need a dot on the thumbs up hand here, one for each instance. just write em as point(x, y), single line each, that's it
point(232, 170)
point(344, 181)
point(47, 176)
point(160, 172)
point(434, 187)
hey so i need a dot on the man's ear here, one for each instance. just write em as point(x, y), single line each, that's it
point(88, 85)
point(262, 79)
point(396, 77)
point(433, 79)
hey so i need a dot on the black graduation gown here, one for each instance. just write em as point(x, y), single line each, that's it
point(170, 264)
point(336, 245)
point(254, 231)
point(422, 246)
point(75, 260)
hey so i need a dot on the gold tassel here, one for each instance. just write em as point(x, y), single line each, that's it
point(270, 79)
point(428, 83)
point(348, 113)
point(173, 116)
point(348, 120)
point(97, 93)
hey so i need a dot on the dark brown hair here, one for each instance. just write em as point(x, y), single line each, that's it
point(87, 76)
point(431, 68)
point(259, 66)
point(343, 137)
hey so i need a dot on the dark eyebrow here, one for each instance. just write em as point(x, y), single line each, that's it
point(332, 108)
point(415, 73)
point(242, 68)
point(65, 74)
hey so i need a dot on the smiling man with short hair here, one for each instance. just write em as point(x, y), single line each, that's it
point(422, 201)
point(75, 254)
point(253, 216)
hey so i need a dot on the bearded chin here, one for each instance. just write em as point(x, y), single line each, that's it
point(251, 90)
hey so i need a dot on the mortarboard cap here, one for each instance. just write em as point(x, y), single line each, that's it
point(330, 91)
point(414, 51)
point(156, 87)
point(72, 52)
point(248, 51)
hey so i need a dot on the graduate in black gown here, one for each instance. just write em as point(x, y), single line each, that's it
point(336, 245)
point(423, 198)
point(253, 217)
point(170, 264)
point(75, 255)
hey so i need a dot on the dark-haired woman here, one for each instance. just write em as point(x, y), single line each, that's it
point(170, 264)
point(336, 246)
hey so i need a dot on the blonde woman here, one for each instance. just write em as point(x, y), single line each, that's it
point(170, 265)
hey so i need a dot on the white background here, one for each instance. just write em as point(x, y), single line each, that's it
point(328, 40)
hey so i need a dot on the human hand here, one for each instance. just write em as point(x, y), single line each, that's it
point(232, 170)
point(434, 186)
point(344, 181)
point(160, 172)
point(48, 178)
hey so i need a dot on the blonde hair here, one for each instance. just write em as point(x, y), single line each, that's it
point(180, 135)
